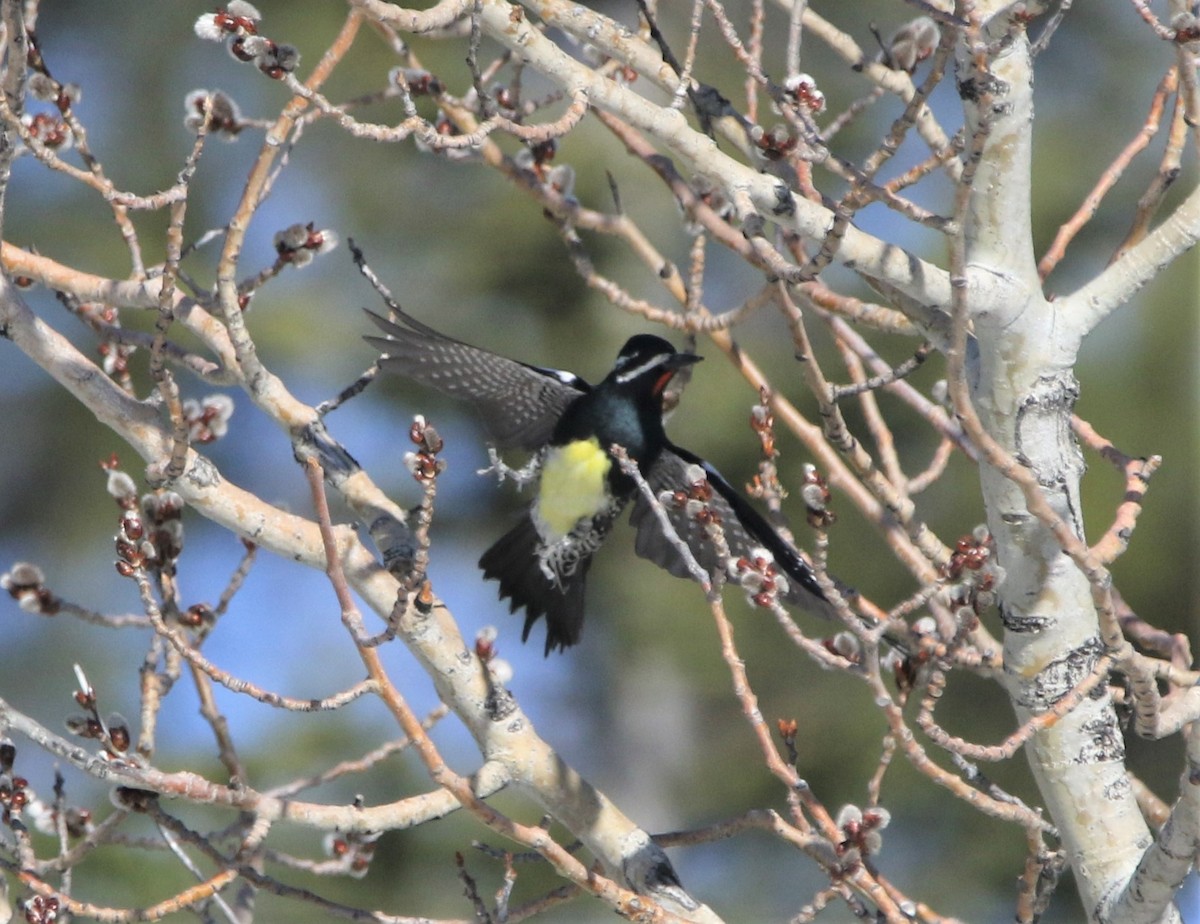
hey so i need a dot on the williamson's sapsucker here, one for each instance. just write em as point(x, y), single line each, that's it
point(570, 427)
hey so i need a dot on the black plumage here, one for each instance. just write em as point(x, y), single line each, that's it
point(541, 563)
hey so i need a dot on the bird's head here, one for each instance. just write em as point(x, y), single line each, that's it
point(647, 363)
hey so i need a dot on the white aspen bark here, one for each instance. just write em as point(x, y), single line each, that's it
point(1024, 390)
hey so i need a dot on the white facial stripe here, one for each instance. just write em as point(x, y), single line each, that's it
point(628, 375)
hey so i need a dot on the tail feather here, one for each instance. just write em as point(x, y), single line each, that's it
point(513, 561)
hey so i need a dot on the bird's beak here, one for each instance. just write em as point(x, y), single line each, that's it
point(679, 360)
point(673, 364)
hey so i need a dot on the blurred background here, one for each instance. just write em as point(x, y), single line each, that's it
point(643, 707)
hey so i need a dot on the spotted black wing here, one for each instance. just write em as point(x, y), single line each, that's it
point(745, 529)
point(517, 403)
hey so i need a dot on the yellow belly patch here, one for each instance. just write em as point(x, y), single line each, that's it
point(572, 486)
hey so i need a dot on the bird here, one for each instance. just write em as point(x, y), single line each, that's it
point(570, 428)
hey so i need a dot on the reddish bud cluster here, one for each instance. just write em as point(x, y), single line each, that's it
point(975, 573)
point(85, 726)
point(788, 729)
point(299, 243)
point(355, 850)
point(844, 645)
point(114, 734)
point(86, 698)
point(694, 499)
point(164, 510)
point(41, 909)
point(100, 312)
point(499, 671)
point(118, 733)
point(78, 821)
point(1187, 28)
point(424, 599)
point(134, 551)
point(802, 90)
point(423, 434)
point(906, 665)
point(760, 577)
point(699, 490)
point(26, 584)
point(1024, 14)
point(43, 87)
point(207, 419)
point(150, 534)
point(904, 672)
point(505, 97)
point(424, 464)
point(537, 159)
point(198, 616)
point(913, 43)
point(224, 117)
point(234, 24)
point(120, 486)
point(273, 60)
point(544, 151)
point(50, 130)
point(237, 25)
point(970, 553)
point(762, 422)
point(444, 125)
point(816, 495)
point(13, 795)
point(115, 358)
point(418, 81)
point(861, 828)
point(776, 144)
point(13, 789)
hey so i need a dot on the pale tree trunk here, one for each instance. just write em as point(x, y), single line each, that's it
point(1019, 370)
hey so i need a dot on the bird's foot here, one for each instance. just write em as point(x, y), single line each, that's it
point(524, 475)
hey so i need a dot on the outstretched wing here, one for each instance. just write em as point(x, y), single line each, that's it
point(745, 529)
point(518, 404)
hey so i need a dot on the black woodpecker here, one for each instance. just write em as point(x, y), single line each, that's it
point(569, 425)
